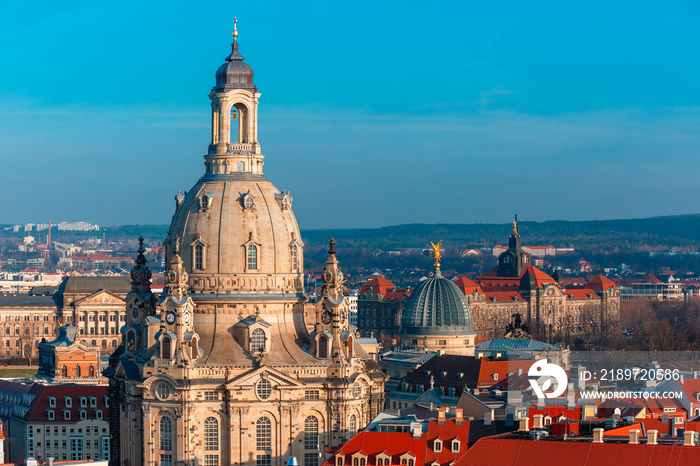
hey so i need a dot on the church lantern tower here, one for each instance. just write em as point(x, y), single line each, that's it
point(513, 261)
point(227, 372)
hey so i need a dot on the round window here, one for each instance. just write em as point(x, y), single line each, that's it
point(163, 391)
point(263, 389)
point(249, 201)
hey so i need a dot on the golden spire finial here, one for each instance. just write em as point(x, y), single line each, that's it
point(436, 252)
point(235, 31)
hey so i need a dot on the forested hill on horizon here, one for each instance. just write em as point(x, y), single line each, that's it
point(600, 236)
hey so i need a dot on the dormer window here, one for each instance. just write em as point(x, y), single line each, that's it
point(66, 414)
point(68, 401)
point(437, 446)
point(83, 414)
point(83, 402)
point(455, 446)
point(205, 201)
point(98, 413)
point(52, 402)
point(50, 414)
point(257, 340)
point(93, 402)
point(199, 253)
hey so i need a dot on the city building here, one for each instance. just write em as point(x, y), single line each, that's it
point(69, 360)
point(65, 422)
point(550, 310)
point(379, 308)
point(96, 306)
point(221, 369)
point(651, 288)
point(25, 319)
point(437, 317)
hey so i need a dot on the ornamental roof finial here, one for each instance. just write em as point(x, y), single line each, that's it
point(235, 31)
point(515, 226)
point(436, 252)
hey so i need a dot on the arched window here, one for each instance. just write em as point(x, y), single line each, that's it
point(252, 256)
point(322, 346)
point(339, 461)
point(362, 462)
point(114, 343)
point(91, 371)
point(195, 349)
point(235, 121)
point(311, 433)
point(380, 462)
point(295, 258)
point(403, 461)
point(77, 371)
point(199, 257)
point(353, 425)
point(93, 342)
point(355, 462)
point(104, 344)
point(211, 434)
point(166, 348)
point(263, 434)
point(64, 371)
point(257, 340)
point(166, 434)
point(410, 462)
point(240, 166)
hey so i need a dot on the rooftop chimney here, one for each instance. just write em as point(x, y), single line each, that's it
point(689, 438)
point(524, 424)
point(651, 437)
point(634, 437)
point(537, 424)
point(441, 416)
point(417, 429)
point(459, 416)
point(598, 435)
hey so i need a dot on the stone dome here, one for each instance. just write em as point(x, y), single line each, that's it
point(437, 307)
point(225, 215)
point(235, 72)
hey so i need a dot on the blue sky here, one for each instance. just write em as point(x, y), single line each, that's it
point(372, 113)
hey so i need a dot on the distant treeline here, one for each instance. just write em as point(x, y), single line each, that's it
point(600, 236)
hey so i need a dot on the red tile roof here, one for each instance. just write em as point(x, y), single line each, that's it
point(467, 286)
point(490, 281)
point(581, 293)
point(556, 411)
point(504, 296)
point(493, 451)
point(377, 285)
point(39, 409)
point(601, 283)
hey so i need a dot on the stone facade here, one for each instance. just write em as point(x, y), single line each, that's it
point(222, 369)
point(24, 322)
point(69, 360)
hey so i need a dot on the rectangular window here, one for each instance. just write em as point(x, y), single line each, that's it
point(311, 395)
point(211, 395)
point(310, 459)
point(263, 460)
point(166, 460)
point(76, 448)
point(211, 460)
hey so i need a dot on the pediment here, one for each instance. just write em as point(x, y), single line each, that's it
point(100, 297)
point(250, 378)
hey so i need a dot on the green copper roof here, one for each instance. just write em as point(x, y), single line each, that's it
point(437, 307)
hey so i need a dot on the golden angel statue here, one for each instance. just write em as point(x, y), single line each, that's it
point(436, 252)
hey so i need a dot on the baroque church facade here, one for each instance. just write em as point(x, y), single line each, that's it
point(221, 368)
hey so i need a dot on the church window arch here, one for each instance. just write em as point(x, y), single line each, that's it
point(78, 371)
point(199, 256)
point(252, 257)
point(239, 123)
point(91, 371)
point(295, 258)
point(356, 389)
point(352, 425)
point(263, 434)
point(166, 434)
point(257, 340)
point(311, 433)
point(194, 354)
point(166, 347)
point(211, 434)
point(64, 371)
point(322, 346)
